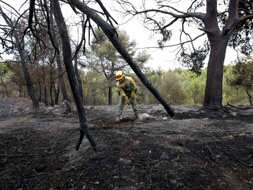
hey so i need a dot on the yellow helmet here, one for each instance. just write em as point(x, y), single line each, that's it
point(119, 75)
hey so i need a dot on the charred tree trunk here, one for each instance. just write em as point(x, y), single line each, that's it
point(61, 78)
point(28, 81)
point(218, 44)
point(44, 86)
point(109, 95)
point(56, 92)
point(112, 35)
point(62, 28)
point(79, 80)
point(59, 62)
point(214, 78)
point(51, 81)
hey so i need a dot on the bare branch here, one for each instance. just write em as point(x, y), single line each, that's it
point(107, 14)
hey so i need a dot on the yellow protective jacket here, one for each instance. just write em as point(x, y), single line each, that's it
point(127, 88)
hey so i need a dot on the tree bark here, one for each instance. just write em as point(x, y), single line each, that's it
point(28, 80)
point(59, 63)
point(109, 95)
point(78, 77)
point(62, 28)
point(56, 92)
point(44, 86)
point(51, 81)
point(218, 44)
point(214, 78)
point(112, 35)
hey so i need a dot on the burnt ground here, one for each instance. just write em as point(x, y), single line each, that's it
point(196, 149)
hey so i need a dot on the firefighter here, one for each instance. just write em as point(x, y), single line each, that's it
point(127, 89)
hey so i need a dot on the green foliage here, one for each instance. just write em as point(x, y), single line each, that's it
point(172, 87)
point(194, 60)
point(94, 88)
point(242, 74)
point(6, 82)
point(176, 86)
point(3, 69)
point(242, 37)
point(195, 86)
point(240, 78)
point(143, 94)
point(234, 95)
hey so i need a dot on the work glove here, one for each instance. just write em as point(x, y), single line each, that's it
point(132, 94)
point(127, 101)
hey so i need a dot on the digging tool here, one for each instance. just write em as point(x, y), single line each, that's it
point(123, 113)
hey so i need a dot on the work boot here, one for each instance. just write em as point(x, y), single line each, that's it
point(136, 117)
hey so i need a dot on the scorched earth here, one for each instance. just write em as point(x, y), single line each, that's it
point(196, 149)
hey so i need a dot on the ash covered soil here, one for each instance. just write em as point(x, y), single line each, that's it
point(196, 149)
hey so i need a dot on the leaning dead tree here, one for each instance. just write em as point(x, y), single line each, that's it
point(108, 28)
point(111, 33)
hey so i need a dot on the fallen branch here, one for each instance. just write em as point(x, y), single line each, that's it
point(249, 165)
point(233, 106)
